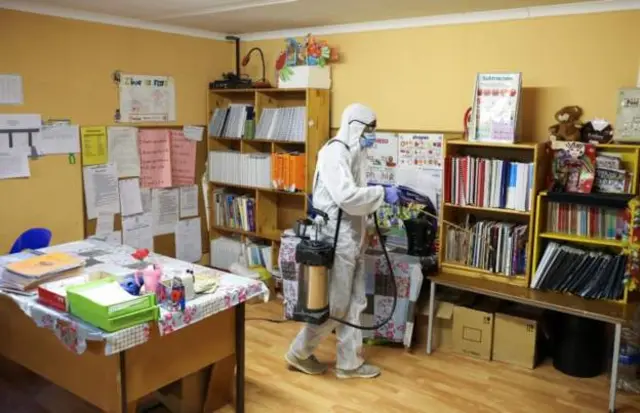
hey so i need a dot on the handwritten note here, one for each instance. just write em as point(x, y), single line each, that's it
point(189, 240)
point(164, 207)
point(155, 158)
point(94, 145)
point(101, 189)
point(183, 159)
point(56, 139)
point(123, 150)
point(193, 133)
point(188, 201)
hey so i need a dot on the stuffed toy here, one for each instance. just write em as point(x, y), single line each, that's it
point(568, 126)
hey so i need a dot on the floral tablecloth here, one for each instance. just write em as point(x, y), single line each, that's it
point(74, 333)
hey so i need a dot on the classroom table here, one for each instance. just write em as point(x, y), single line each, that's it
point(197, 350)
point(604, 311)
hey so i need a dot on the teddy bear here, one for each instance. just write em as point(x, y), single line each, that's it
point(569, 125)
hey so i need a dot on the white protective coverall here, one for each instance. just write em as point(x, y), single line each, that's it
point(340, 183)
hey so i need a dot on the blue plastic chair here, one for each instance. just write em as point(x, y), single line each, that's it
point(33, 239)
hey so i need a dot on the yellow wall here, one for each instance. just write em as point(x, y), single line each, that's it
point(423, 78)
point(66, 66)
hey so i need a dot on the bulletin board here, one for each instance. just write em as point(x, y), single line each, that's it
point(70, 79)
point(165, 244)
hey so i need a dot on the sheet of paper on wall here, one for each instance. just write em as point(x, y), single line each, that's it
point(382, 159)
point(136, 231)
point(147, 98)
point(123, 150)
point(101, 189)
point(104, 223)
point(193, 133)
point(189, 240)
point(11, 90)
point(58, 139)
point(188, 201)
point(155, 158)
point(183, 159)
point(19, 131)
point(14, 164)
point(145, 196)
point(94, 145)
point(164, 207)
point(130, 198)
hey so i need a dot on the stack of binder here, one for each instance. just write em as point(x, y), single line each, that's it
point(283, 124)
point(234, 122)
point(105, 304)
point(288, 171)
point(589, 274)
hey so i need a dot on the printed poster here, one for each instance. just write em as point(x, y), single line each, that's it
point(423, 151)
point(495, 107)
point(382, 159)
point(147, 98)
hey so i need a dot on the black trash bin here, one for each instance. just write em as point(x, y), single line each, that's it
point(578, 346)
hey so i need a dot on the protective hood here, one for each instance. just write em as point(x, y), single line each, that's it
point(354, 120)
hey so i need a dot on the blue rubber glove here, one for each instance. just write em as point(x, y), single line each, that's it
point(391, 195)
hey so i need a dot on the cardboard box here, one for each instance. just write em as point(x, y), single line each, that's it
point(443, 329)
point(312, 77)
point(473, 331)
point(515, 340)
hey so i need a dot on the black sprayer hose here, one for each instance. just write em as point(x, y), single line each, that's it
point(393, 284)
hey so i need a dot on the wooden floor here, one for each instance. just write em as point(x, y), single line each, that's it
point(441, 383)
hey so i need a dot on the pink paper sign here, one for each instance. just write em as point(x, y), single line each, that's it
point(155, 158)
point(183, 159)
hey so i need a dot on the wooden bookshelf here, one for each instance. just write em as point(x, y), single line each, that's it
point(630, 156)
point(451, 212)
point(275, 210)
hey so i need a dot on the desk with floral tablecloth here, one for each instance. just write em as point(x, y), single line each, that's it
point(114, 370)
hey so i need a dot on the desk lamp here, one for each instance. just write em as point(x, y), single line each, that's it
point(261, 83)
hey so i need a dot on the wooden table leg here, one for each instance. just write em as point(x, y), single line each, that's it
point(240, 358)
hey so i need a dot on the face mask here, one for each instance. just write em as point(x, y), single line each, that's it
point(367, 140)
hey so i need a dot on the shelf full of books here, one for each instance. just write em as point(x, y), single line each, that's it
point(489, 194)
point(263, 146)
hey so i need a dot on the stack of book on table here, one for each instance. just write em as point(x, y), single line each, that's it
point(22, 273)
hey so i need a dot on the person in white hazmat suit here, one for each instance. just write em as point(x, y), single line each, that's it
point(340, 184)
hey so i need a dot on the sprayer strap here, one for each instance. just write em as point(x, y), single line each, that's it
point(335, 237)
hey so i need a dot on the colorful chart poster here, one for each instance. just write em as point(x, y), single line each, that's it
point(421, 150)
point(382, 159)
point(496, 100)
point(147, 98)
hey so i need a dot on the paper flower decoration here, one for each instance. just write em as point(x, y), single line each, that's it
point(311, 53)
point(140, 254)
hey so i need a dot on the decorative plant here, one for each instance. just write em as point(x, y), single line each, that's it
point(311, 53)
